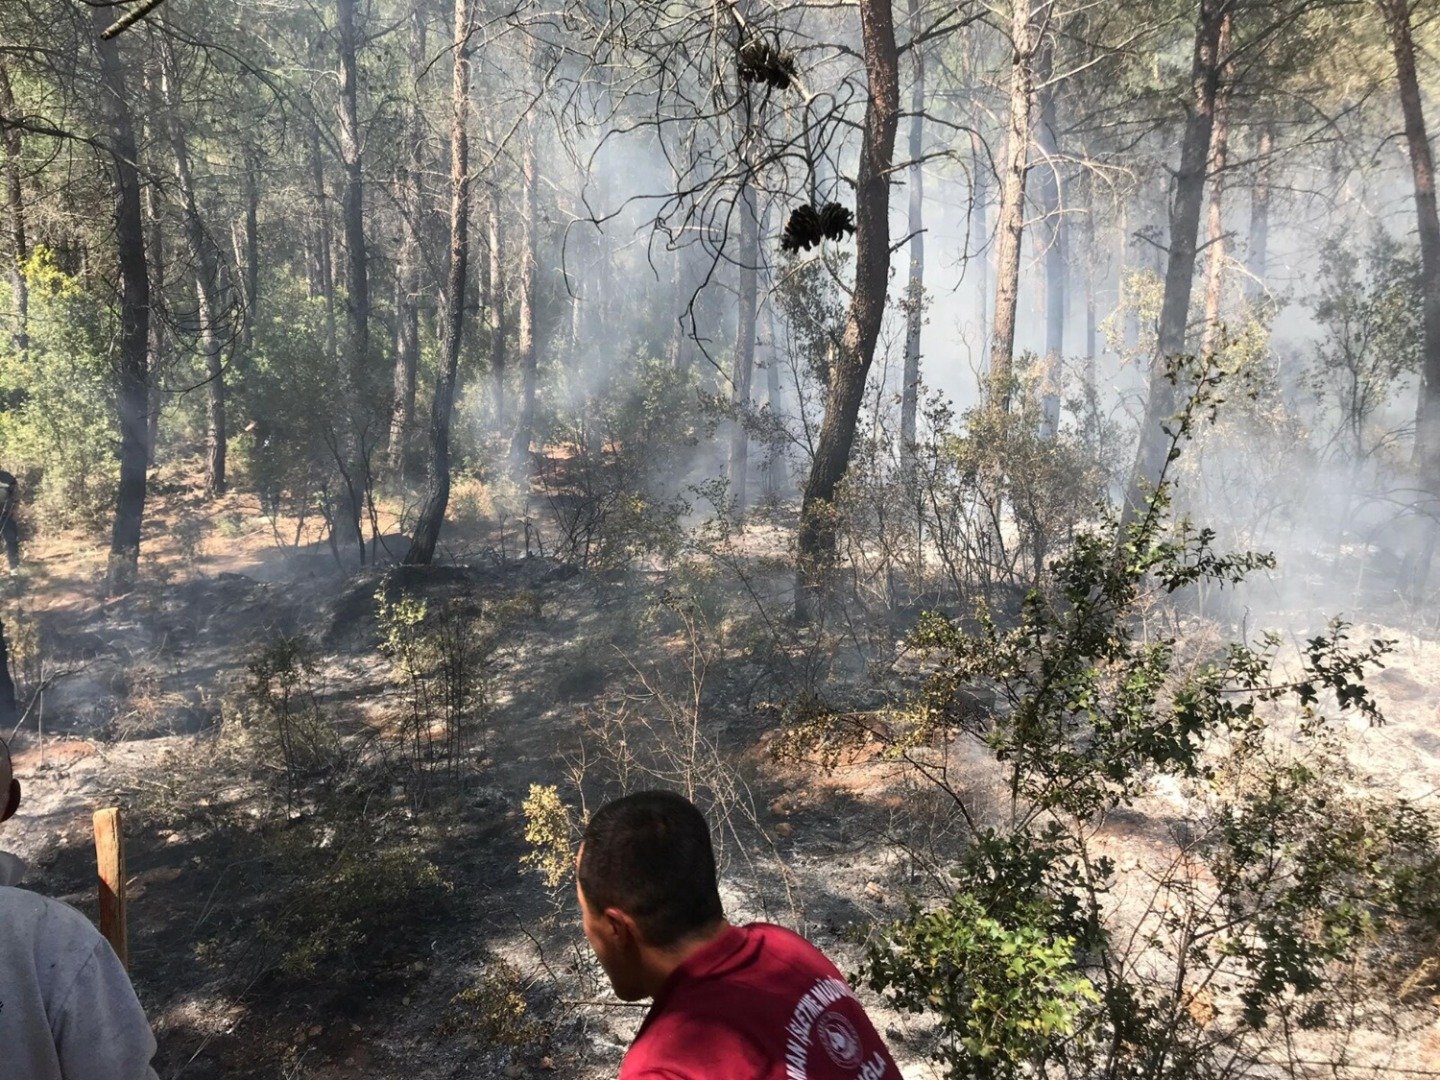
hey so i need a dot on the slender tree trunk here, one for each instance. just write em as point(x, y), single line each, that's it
point(324, 268)
point(1180, 269)
point(407, 272)
point(1055, 261)
point(1025, 25)
point(133, 280)
point(1215, 222)
point(525, 330)
point(207, 299)
point(432, 514)
point(979, 210)
point(816, 540)
point(775, 462)
point(15, 205)
point(353, 466)
point(496, 241)
point(743, 367)
point(1093, 263)
point(252, 247)
point(1422, 165)
point(1257, 249)
point(155, 339)
point(915, 288)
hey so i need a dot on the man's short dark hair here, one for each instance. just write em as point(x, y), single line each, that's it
point(649, 854)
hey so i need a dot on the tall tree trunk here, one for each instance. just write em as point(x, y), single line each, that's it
point(816, 540)
point(133, 282)
point(155, 339)
point(979, 227)
point(525, 330)
point(407, 272)
point(352, 451)
point(775, 462)
point(1257, 249)
point(1025, 24)
point(495, 243)
point(1215, 221)
point(251, 263)
point(15, 207)
point(1055, 268)
point(207, 298)
point(1422, 165)
point(743, 367)
point(323, 271)
point(915, 288)
point(1151, 457)
point(432, 514)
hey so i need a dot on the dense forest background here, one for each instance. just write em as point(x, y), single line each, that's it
point(987, 454)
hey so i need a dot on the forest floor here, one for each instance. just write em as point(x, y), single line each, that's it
point(494, 979)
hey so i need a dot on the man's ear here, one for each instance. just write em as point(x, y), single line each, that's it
point(622, 927)
point(12, 801)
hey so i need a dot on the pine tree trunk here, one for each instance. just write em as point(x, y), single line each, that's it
point(1215, 222)
point(407, 272)
point(432, 514)
point(915, 288)
point(155, 339)
point(252, 248)
point(1422, 165)
point(206, 292)
point(495, 236)
point(354, 478)
point(775, 462)
point(133, 281)
point(1055, 269)
point(816, 540)
point(1151, 457)
point(15, 206)
point(1024, 25)
point(525, 328)
point(743, 366)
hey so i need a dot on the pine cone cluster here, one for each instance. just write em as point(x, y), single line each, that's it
point(808, 227)
point(762, 62)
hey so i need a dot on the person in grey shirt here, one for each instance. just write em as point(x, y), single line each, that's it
point(67, 1009)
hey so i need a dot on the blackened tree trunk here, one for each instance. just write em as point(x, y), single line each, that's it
point(1189, 197)
point(15, 209)
point(1025, 24)
point(816, 538)
point(207, 299)
point(743, 367)
point(1422, 165)
point(407, 271)
point(1257, 249)
point(133, 282)
point(525, 328)
point(1215, 219)
point(437, 496)
point(354, 478)
point(915, 287)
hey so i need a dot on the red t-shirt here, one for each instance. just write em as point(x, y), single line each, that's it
point(757, 1003)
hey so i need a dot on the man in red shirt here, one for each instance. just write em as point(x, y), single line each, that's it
point(729, 1002)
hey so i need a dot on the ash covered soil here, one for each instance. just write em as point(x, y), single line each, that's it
point(486, 973)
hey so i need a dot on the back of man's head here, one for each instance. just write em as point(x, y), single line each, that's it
point(649, 855)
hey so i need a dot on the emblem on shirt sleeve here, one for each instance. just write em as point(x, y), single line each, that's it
point(839, 1038)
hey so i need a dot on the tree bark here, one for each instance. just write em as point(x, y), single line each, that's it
point(915, 288)
point(525, 329)
point(775, 462)
point(207, 298)
point(432, 513)
point(133, 282)
point(15, 205)
point(1024, 38)
point(353, 467)
point(155, 339)
point(743, 367)
point(407, 272)
point(1215, 221)
point(816, 540)
point(252, 247)
point(1151, 457)
point(1422, 165)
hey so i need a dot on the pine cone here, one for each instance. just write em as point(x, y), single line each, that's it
point(836, 221)
point(803, 231)
point(762, 62)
